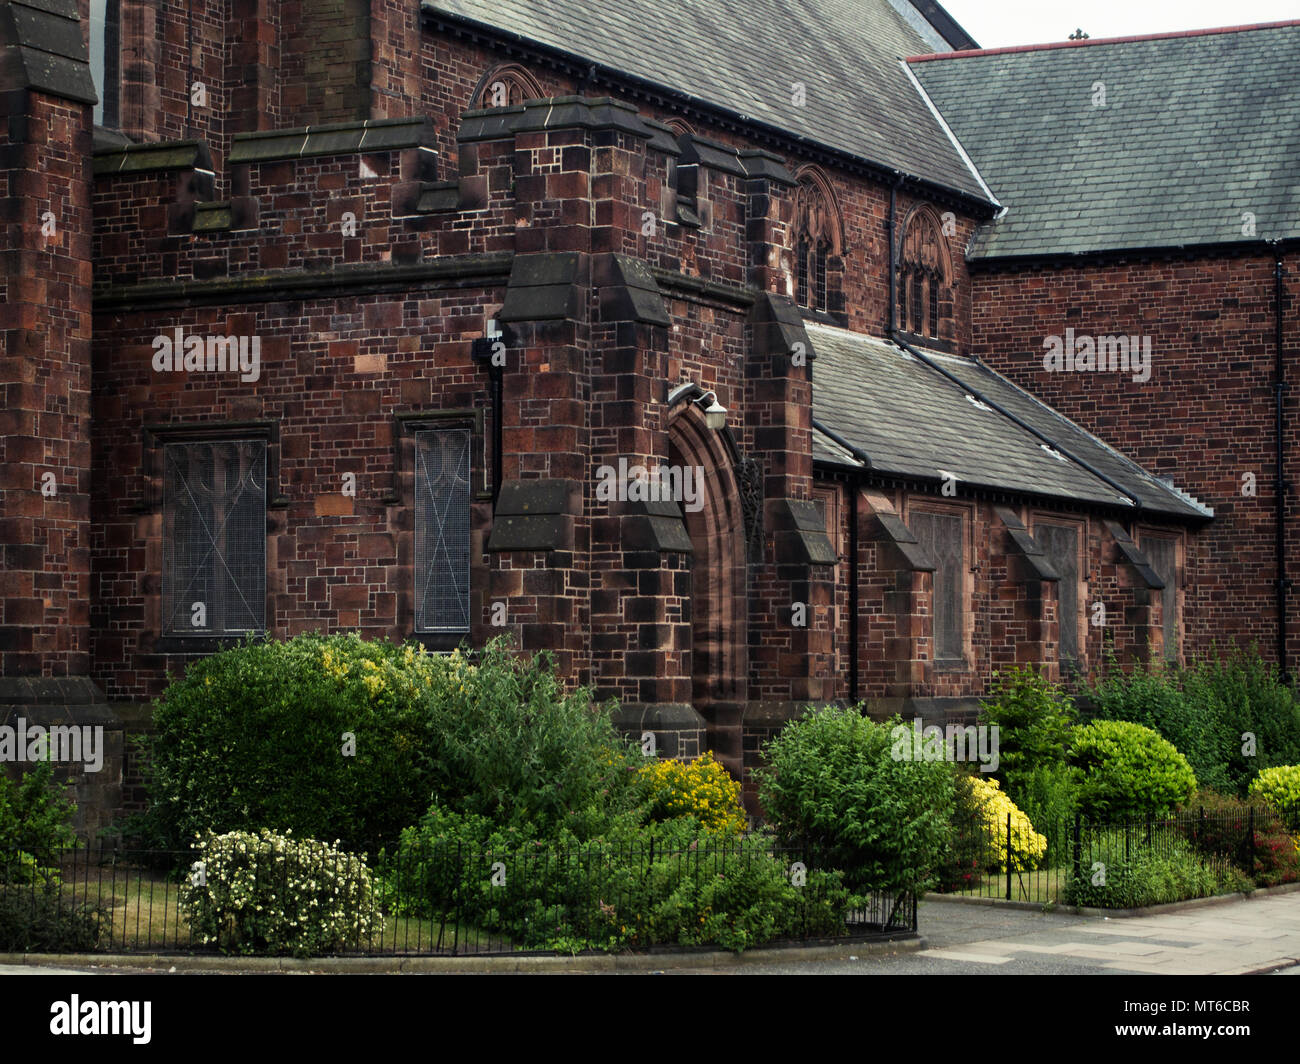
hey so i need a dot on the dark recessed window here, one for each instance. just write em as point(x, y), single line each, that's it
point(941, 536)
point(442, 472)
point(214, 538)
point(105, 59)
point(1061, 545)
point(1162, 554)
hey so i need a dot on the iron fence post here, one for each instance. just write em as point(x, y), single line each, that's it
point(1008, 855)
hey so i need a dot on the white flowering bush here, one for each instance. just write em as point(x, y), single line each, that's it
point(272, 893)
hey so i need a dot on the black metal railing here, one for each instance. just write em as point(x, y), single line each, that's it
point(447, 899)
point(1075, 860)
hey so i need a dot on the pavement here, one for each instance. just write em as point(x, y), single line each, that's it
point(1235, 937)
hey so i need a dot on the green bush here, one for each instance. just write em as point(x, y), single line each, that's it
point(839, 782)
point(1230, 716)
point(1128, 771)
point(337, 737)
point(1034, 718)
point(259, 736)
point(35, 815)
point(37, 918)
point(1130, 873)
point(507, 743)
point(1279, 788)
point(1218, 826)
point(638, 886)
point(271, 893)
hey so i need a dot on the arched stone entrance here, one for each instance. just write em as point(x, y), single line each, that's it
point(719, 628)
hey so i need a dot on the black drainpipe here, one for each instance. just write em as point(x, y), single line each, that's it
point(495, 373)
point(893, 265)
point(851, 491)
point(1280, 491)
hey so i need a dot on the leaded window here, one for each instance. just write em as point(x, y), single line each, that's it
point(941, 536)
point(1061, 545)
point(214, 538)
point(442, 472)
point(1162, 554)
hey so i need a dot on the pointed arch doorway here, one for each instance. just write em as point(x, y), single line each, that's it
point(718, 612)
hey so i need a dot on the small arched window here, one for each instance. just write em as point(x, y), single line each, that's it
point(818, 241)
point(506, 86)
point(924, 276)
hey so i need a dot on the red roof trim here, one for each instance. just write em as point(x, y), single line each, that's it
point(1100, 40)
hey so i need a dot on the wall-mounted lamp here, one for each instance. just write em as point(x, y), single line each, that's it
point(715, 414)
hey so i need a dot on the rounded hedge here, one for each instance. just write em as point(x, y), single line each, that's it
point(840, 783)
point(1129, 771)
point(1279, 788)
point(317, 734)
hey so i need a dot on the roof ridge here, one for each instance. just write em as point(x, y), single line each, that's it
point(1090, 42)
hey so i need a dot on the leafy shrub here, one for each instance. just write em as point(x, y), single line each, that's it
point(1128, 771)
point(35, 812)
point(641, 885)
point(256, 736)
point(1279, 788)
point(34, 824)
point(1034, 718)
point(338, 737)
point(839, 782)
point(1049, 796)
point(36, 918)
point(271, 893)
point(1209, 710)
point(992, 807)
point(1218, 826)
point(702, 789)
point(509, 744)
point(1138, 874)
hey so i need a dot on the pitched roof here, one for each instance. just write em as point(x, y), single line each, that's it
point(913, 422)
point(743, 56)
point(1197, 130)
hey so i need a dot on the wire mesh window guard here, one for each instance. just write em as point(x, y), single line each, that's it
point(442, 473)
point(1061, 545)
point(941, 535)
point(1161, 552)
point(214, 538)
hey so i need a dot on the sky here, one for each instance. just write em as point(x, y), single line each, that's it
point(1003, 23)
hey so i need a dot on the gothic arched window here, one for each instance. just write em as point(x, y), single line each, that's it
point(924, 276)
point(505, 86)
point(818, 241)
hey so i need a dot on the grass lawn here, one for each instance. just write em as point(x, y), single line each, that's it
point(146, 916)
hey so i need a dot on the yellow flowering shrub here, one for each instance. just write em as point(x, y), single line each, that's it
point(992, 805)
point(702, 788)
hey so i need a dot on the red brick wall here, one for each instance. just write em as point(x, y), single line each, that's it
point(45, 426)
point(1205, 417)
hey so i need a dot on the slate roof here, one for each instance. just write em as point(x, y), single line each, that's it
point(911, 421)
point(1197, 129)
point(743, 56)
